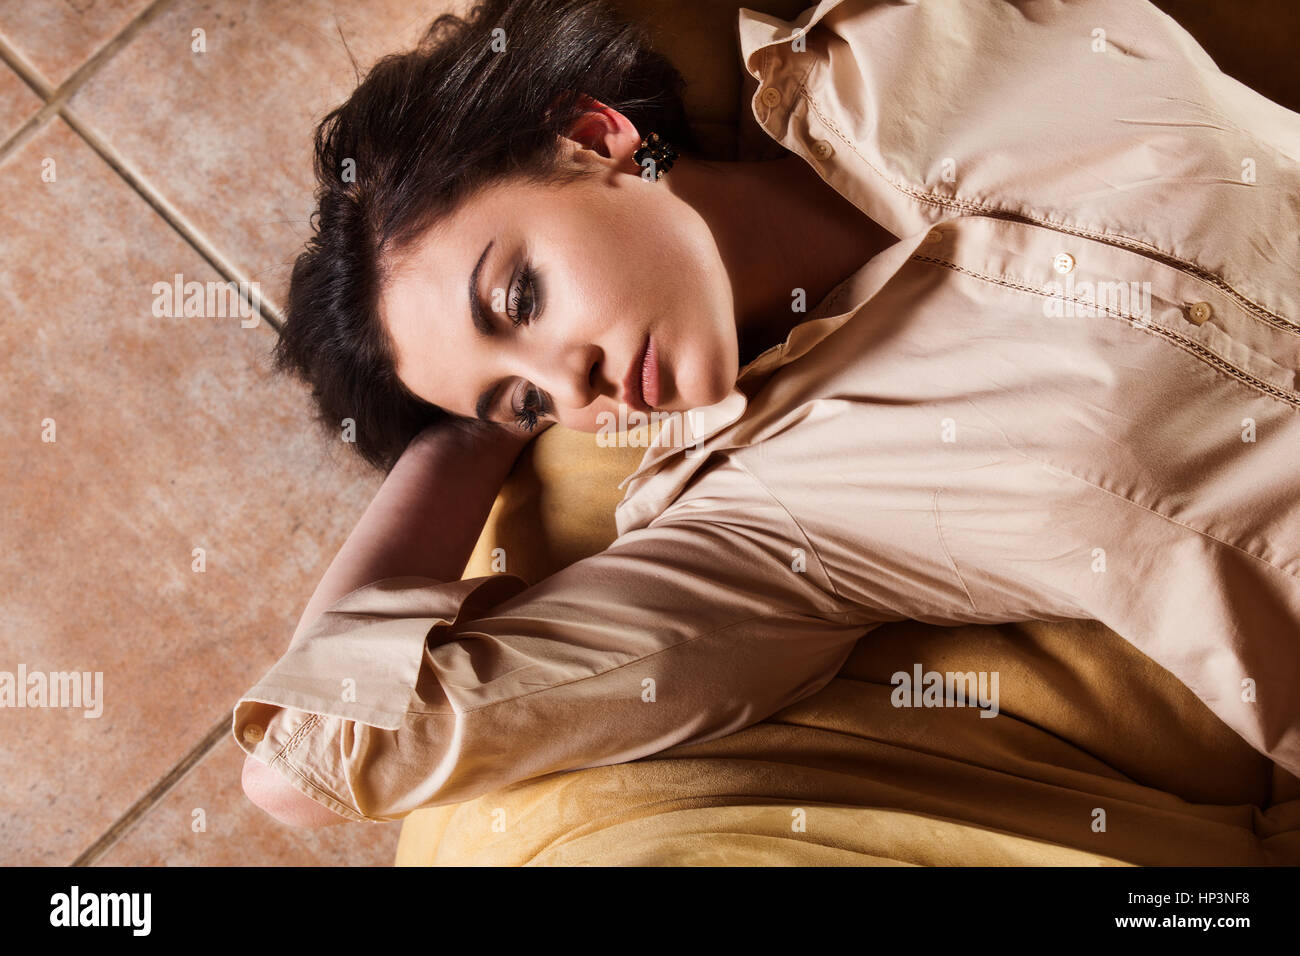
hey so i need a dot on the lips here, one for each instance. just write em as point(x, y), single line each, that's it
point(650, 374)
point(641, 384)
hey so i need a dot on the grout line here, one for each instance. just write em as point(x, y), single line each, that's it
point(68, 88)
point(28, 74)
point(174, 218)
point(55, 98)
point(25, 69)
point(56, 104)
point(26, 131)
point(141, 807)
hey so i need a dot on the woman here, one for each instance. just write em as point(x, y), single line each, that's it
point(1047, 370)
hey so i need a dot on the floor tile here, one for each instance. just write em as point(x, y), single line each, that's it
point(238, 119)
point(170, 436)
point(207, 821)
point(17, 102)
point(57, 36)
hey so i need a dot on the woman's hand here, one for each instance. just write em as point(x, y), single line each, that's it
point(494, 441)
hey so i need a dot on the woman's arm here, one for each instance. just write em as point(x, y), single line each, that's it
point(425, 520)
point(426, 517)
point(701, 623)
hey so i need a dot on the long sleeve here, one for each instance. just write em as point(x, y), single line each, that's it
point(409, 693)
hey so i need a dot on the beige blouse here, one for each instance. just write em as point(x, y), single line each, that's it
point(1069, 390)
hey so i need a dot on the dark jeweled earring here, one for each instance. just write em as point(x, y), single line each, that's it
point(657, 153)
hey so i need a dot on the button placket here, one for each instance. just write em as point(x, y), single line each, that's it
point(1160, 297)
point(817, 138)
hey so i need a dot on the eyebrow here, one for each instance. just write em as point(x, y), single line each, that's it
point(483, 326)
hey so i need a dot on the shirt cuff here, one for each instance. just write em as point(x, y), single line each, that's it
point(359, 661)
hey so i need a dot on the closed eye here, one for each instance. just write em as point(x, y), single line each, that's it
point(523, 307)
point(534, 407)
point(524, 303)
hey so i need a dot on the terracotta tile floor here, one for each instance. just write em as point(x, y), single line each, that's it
point(17, 102)
point(127, 158)
point(55, 39)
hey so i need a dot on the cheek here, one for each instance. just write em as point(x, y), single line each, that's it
point(641, 260)
point(603, 416)
point(644, 250)
point(588, 421)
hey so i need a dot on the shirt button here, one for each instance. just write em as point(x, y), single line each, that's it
point(1063, 263)
point(933, 237)
point(770, 95)
point(253, 733)
point(1200, 312)
point(822, 149)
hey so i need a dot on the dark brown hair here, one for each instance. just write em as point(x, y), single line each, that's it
point(424, 131)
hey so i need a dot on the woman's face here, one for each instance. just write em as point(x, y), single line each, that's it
point(572, 279)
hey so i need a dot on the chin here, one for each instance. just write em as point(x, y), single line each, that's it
point(719, 388)
point(709, 389)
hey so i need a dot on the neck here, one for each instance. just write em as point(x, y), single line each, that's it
point(779, 229)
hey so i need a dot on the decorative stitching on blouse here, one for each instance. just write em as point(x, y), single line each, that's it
point(329, 799)
point(298, 735)
point(1135, 245)
point(1174, 338)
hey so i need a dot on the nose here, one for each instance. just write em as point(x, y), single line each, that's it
point(575, 376)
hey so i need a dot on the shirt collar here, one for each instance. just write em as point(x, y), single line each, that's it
point(682, 436)
point(759, 30)
point(675, 432)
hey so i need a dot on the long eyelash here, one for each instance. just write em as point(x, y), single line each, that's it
point(527, 418)
point(528, 278)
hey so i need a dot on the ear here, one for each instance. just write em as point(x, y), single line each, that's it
point(605, 131)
